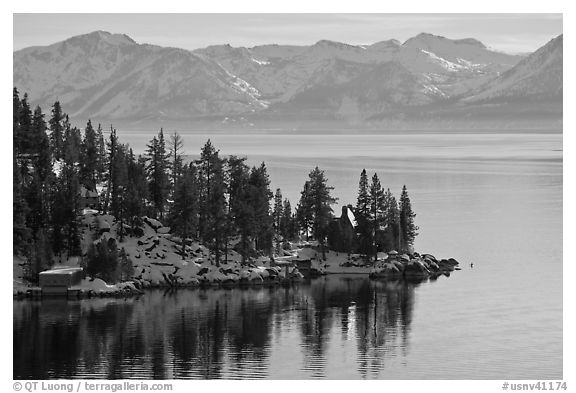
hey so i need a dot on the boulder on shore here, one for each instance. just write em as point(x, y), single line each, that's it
point(416, 268)
point(388, 269)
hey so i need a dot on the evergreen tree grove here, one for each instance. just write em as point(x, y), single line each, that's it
point(219, 202)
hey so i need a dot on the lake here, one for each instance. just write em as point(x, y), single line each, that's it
point(487, 198)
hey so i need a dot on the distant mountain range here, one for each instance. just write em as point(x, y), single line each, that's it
point(428, 81)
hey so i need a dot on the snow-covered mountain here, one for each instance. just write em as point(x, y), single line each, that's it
point(112, 78)
point(282, 74)
point(537, 77)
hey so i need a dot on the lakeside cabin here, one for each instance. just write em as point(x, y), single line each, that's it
point(88, 199)
point(58, 281)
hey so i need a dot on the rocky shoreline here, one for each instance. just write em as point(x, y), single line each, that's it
point(413, 266)
point(223, 277)
point(158, 262)
point(392, 267)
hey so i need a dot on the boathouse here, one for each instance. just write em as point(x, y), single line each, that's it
point(58, 281)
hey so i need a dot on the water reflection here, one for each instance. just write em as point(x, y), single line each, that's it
point(237, 333)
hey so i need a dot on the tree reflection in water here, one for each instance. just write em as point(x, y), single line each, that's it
point(215, 333)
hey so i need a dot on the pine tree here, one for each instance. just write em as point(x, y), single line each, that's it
point(101, 155)
point(89, 158)
point(277, 212)
point(277, 215)
point(215, 218)
point(65, 203)
point(175, 148)
point(57, 131)
point(241, 212)
point(183, 217)
point(59, 215)
point(70, 186)
point(137, 188)
point(120, 188)
point(41, 145)
point(392, 220)
point(16, 130)
point(376, 210)
point(163, 156)
point(112, 147)
point(259, 197)
point(322, 202)
point(25, 126)
point(362, 214)
point(157, 170)
point(21, 233)
point(72, 142)
point(207, 163)
point(304, 213)
point(363, 202)
point(407, 227)
point(35, 167)
point(42, 163)
point(287, 225)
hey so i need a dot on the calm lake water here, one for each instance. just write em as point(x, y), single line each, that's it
point(494, 199)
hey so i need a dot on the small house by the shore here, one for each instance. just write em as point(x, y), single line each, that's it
point(341, 232)
point(58, 281)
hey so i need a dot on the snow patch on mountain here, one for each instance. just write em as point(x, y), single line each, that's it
point(433, 90)
point(448, 65)
point(244, 87)
point(468, 64)
point(260, 62)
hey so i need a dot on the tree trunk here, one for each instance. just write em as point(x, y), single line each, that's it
point(184, 243)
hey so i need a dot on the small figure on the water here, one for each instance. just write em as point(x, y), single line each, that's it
point(471, 265)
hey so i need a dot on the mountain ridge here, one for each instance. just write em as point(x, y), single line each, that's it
point(112, 77)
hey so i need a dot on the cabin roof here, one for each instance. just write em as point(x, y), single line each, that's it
point(61, 271)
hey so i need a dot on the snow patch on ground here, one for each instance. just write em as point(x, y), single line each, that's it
point(260, 62)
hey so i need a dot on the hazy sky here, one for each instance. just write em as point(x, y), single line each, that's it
point(504, 32)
